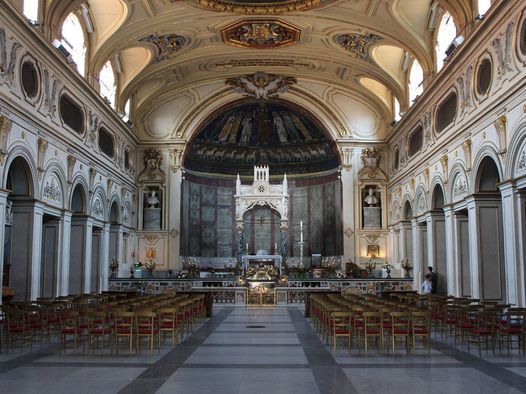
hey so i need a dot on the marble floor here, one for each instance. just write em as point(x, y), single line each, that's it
point(259, 350)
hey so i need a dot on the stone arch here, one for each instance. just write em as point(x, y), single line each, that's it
point(51, 193)
point(78, 199)
point(487, 176)
point(516, 158)
point(20, 156)
point(438, 196)
point(421, 204)
point(97, 208)
point(408, 210)
point(459, 184)
point(489, 150)
point(114, 210)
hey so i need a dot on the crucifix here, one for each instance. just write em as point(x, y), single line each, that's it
point(261, 220)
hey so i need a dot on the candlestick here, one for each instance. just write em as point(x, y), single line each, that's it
point(246, 247)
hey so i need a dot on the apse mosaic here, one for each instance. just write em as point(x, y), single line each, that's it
point(261, 132)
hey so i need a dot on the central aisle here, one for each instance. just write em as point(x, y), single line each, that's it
point(258, 350)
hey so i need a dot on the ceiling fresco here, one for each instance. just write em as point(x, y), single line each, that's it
point(261, 132)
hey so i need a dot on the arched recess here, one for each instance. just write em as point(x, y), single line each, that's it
point(489, 230)
point(408, 210)
point(19, 271)
point(116, 232)
point(261, 229)
point(437, 246)
point(79, 252)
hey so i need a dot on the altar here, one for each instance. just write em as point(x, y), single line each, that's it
point(261, 261)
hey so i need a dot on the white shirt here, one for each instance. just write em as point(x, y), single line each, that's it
point(427, 286)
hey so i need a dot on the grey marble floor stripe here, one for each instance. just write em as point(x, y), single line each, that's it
point(250, 345)
point(248, 366)
point(253, 331)
point(328, 374)
point(494, 370)
point(25, 359)
point(69, 364)
point(155, 376)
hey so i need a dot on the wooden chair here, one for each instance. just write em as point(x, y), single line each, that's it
point(341, 327)
point(513, 326)
point(484, 331)
point(99, 329)
point(372, 328)
point(421, 327)
point(148, 327)
point(400, 329)
point(69, 327)
point(168, 324)
point(124, 325)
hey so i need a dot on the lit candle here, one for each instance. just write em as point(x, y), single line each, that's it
point(275, 246)
point(301, 231)
point(246, 246)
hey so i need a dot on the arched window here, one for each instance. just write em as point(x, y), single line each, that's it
point(107, 83)
point(30, 10)
point(396, 110)
point(447, 31)
point(73, 37)
point(127, 108)
point(483, 6)
point(416, 81)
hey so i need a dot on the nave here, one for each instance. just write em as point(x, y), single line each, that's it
point(261, 350)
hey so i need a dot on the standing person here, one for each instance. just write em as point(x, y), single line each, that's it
point(427, 287)
point(434, 279)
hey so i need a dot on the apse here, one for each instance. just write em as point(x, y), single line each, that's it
point(273, 133)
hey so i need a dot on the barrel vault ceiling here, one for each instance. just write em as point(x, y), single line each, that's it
point(176, 55)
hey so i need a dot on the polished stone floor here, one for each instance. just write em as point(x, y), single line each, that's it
point(259, 350)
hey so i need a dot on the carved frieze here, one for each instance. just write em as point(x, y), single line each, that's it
point(261, 85)
point(503, 48)
point(97, 207)
point(460, 187)
point(7, 68)
point(270, 7)
point(51, 86)
point(167, 45)
point(261, 34)
point(52, 191)
point(5, 129)
point(521, 164)
point(358, 45)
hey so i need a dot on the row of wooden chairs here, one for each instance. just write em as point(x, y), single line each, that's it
point(362, 320)
point(100, 320)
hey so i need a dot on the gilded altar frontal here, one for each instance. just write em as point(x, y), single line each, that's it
point(252, 196)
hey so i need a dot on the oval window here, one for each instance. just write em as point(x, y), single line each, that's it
point(29, 79)
point(106, 143)
point(416, 140)
point(446, 112)
point(71, 114)
point(484, 75)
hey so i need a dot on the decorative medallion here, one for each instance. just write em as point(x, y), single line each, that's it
point(260, 34)
point(167, 45)
point(52, 190)
point(521, 165)
point(460, 187)
point(259, 6)
point(97, 208)
point(358, 44)
point(261, 85)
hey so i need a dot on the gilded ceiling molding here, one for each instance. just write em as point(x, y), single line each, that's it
point(261, 85)
point(261, 34)
point(358, 44)
point(167, 45)
point(258, 7)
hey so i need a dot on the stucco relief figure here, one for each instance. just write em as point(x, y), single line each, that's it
point(370, 199)
point(246, 129)
point(280, 128)
point(291, 128)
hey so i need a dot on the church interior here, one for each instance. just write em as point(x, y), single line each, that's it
point(252, 196)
